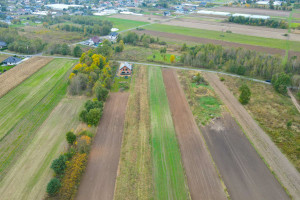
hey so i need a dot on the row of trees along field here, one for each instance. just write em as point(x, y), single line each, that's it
point(86, 29)
point(243, 62)
point(259, 22)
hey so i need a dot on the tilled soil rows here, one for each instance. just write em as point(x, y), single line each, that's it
point(98, 181)
point(244, 173)
point(203, 179)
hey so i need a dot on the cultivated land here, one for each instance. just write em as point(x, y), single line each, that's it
point(122, 24)
point(134, 179)
point(28, 178)
point(244, 173)
point(228, 37)
point(19, 73)
point(168, 173)
point(24, 109)
point(202, 176)
point(98, 181)
point(284, 170)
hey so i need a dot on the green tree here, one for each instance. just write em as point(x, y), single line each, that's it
point(281, 82)
point(94, 116)
point(245, 94)
point(101, 93)
point(77, 51)
point(59, 165)
point(71, 137)
point(53, 186)
point(65, 49)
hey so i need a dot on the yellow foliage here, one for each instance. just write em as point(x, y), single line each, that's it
point(172, 58)
point(78, 66)
point(72, 75)
point(86, 138)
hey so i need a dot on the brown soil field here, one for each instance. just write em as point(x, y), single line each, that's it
point(177, 37)
point(253, 11)
point(143, 18)
point(98, 181)
point(202, 176)
point(21, 72)
point(284, 170)
point(235, 28)
point(244, 173)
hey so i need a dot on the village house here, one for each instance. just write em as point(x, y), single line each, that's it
point(113, 36)
point(2, 44)
point(95, 41)
point(11, 61)
point(125, 69)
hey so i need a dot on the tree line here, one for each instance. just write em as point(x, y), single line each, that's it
point(259, 22)
point(87, 29)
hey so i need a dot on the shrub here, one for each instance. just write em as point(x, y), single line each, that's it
point(289, 124)
point(280, 82)
point(245, 94)
point(53, 186)
point(83, 116)
point(93, 104)
point(101, 93)
point(94, 116)
point(222, 78)
point(58, 165)
point(71, 137)
point(87, 133)
point(83, 144)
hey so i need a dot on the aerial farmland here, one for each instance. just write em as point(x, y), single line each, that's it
point(166, 100)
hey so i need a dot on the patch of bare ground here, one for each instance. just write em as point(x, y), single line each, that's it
point(253, 11)
point(21, 72)
point(284, 170)
point(202, 176)
point(98, 181)
point(185, 38)
point(134, 179)
point(234, 28)
point(244, 173)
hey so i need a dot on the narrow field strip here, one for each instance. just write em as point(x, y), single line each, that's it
point(28, 178)
point(134, 179)
point(21, 72)
point(33, 110)
point(169, 177)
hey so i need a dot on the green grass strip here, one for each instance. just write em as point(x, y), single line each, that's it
point(168, 172)
point(229, 37)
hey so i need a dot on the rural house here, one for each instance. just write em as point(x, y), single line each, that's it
point(11, 61)
point(2, 44)
point(125, 69)
point(113, 36)
point(95, 41)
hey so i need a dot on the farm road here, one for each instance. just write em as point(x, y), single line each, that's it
point(285, 171)
point(244, 173)
point(203, 179)
point(98, 181)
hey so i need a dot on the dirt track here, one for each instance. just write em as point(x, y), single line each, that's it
point(285, 171)
point(219, 42)
point(202, 176)
point(98, 181)
point(294, 100)
point(244, 173)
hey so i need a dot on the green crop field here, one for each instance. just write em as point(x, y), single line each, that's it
point(168, 172)
point(25, 108)
point(123, 24)
point(229, 37)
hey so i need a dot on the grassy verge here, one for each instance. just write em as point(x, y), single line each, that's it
point(229, 37)
point(273, 111)
point(134, 180)
point(123, 24)
point(162, 58)
point(202, 99)
point(168, 172)
point(25, 108)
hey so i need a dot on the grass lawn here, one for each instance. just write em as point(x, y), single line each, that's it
point(202, 98)
point(123, 24)
point(29, 176)
point(230, 37)
point(158, 57)
point(121, 83)
point(133, 53)
point(5, 68)
point(24, 109)
point(134, 179)
point(272, 111)
point(168, 173)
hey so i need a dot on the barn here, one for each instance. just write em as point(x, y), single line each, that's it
point(125, 69)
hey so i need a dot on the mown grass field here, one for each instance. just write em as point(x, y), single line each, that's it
point(28, 177)
point(134, 180)
point(123, 24)
point(272, 111)
point(230, 37)
point(25, 108)
point(158, 57)
point(168, 173)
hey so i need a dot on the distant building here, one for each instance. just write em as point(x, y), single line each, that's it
point(113, 35)
point(11, 61)
point(167, 13)
point(125, 69)
point(2, 44)
point(95, 41)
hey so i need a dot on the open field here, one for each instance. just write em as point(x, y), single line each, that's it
point(277, 162)
point(25, 108)
point(246, 177)
point(98, 181)
point(168, 173)
point(143, 18)
point(227, 37)
point(122, 24)
point(202, 176)
point(19, 73)
point(28, 178)
point(3, 57)
point(134, 179)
